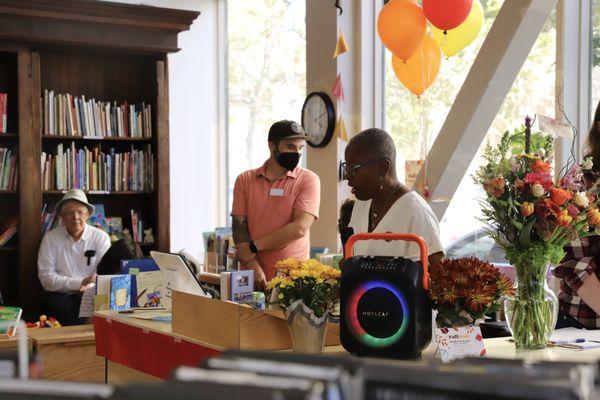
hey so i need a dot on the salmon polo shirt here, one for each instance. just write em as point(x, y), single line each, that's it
point(269, 205)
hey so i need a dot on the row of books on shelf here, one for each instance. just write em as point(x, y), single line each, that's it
point(8, 229)
point(8, 169)
point(3, 113)
point(94, 170)
point(68, 115)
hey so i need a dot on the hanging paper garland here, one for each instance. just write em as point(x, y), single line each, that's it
point(341, 47)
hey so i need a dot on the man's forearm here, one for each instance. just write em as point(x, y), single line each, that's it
point(589, 292)
point(282, 237)
point(239, 226)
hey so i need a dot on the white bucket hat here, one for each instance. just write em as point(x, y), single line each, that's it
point(77, 195)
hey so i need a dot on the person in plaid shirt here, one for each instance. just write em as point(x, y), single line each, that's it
point(579, 294)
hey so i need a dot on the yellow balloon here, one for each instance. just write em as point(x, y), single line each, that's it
point(460, 37)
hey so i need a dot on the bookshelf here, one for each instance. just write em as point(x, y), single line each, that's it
point(108, 52)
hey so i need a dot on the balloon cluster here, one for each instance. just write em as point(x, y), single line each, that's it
point(402, 27)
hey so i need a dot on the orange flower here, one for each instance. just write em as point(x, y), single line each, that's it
point(495, 186)
point(564, 219)
point(560, 196)
point(526, 209)
point(593, 216)
point(540, 166)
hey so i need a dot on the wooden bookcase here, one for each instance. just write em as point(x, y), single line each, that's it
point(102, 50)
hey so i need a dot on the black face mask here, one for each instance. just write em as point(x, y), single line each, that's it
point(288, 161)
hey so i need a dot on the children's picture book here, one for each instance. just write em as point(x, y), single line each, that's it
point(242, 286)
point(9, 320)
point(149, 289)
point(98, 219)
point(115, 227)
point(120, 292)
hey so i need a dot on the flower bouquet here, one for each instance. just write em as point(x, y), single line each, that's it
point(532, 217)
point(463, 290)
point(306, 290)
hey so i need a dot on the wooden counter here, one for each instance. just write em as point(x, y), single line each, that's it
point(68, 353)
point(123, 369)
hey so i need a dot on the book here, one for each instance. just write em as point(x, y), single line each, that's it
point(242, 286)
point(115, 226)
point(3, 113)
point(8, 230)
point(9, 320)
point(149, 289)
point(237, 286)
point(98, 219)
point(120, 292)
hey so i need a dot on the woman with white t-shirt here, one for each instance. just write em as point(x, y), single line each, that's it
point(383, 203)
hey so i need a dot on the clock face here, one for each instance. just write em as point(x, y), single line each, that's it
point(318, 119)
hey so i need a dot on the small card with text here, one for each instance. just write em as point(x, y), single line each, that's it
point(455, 343)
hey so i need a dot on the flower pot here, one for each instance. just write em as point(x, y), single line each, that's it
point(306, 329)
point(531, 313)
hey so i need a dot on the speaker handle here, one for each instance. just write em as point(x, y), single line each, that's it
point(408, 237)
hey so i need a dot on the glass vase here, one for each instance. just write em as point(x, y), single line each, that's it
point(532, 311)
point(306, 329)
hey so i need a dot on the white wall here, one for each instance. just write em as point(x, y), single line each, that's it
point(194, 123)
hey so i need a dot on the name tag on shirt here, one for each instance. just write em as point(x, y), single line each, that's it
point(276, 192)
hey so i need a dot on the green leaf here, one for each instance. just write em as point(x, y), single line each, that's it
point(525, 234)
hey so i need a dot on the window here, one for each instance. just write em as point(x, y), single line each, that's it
point(414, 122)
point(266, 76)
point(595, 56)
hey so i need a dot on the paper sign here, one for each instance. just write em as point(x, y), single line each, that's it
point(550, 125)
point(412, 168)
point(276, 192)
point(341, 46)
point(455, 343)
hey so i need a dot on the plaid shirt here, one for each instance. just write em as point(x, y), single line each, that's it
point(580, 262)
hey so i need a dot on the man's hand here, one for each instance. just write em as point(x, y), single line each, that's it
point(260, 279)
point(85, 282)
point(243, 252)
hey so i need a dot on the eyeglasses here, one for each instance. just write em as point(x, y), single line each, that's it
point(350, 169)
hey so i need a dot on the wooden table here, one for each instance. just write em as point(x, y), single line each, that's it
point(68, 353)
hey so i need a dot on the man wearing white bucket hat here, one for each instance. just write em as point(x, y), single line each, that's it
point(68, 257)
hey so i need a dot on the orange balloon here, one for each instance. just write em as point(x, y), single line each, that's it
point(402, 26)
point(419, 72)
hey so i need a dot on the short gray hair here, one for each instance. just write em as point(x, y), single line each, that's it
point(376, 141)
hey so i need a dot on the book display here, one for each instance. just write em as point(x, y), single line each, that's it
point(83, 104)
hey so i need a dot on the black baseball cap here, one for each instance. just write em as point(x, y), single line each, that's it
point(286, 130)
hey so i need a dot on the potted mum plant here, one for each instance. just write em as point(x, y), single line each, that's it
point(463, 290)
point(306, 290)
point(532, 217)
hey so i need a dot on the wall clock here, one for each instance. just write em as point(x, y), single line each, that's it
point(318, 118)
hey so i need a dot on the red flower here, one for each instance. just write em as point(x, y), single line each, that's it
point(540, 166)
point(543, 179)
point(573, 210)
point(564, 219)
point(560, 196)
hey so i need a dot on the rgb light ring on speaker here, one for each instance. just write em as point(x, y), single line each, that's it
point(354, 324)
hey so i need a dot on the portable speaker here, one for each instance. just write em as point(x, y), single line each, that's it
point(384, 307)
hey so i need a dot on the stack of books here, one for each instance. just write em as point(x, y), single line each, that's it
point(68, 115)
point(49, 220)
point(8, 169)
point(3, 114)
point(94, 170)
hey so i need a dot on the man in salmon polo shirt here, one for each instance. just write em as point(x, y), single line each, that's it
point(275, 205)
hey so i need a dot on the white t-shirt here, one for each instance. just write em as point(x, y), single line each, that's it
point(62, 263)
point(409, 214)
